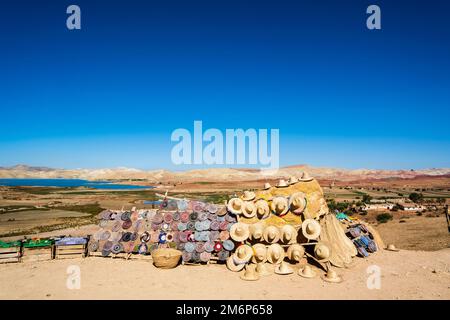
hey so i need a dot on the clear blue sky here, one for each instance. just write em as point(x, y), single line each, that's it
point(111, 93)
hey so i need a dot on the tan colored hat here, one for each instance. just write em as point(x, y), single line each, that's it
point(249, 209)
point(250, 273)
point(271, 234)
point(275, 253)
point(267, 186)
point(263, 269)
point(262, 209)
point(311, 229)
point(283, 268)
point(297, 202)
point(279, 206)
point(259, 253)
point(332, 276)
point(235, 205)
point(243, 254)
point(282, 184)
point(239, 232)
point(256, 231)
point(288, 234)
point(391, 247)
point(305, 177)
point(295, 252)
point(292, 180)
point(222, 211)
point(248, 195)
point(232, 266)
point(307, 272)
point(322, 251)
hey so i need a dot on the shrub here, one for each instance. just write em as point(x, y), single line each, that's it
point(384, 217)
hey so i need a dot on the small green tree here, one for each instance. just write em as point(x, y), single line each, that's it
point(366, 198)
point(384, 217)
point(416, 197)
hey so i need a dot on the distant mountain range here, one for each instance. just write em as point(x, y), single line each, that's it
point(214, 174)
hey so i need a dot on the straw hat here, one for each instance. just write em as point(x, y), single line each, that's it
point(282, 184)
point(288, 234)
point(331, 276)
point(259, 253)
point(275, 253)
point(256, 231)
point(295, 252)
point(250, 273)
point(307, 272)
point(248, 196)
point(263, 269)
point(243, 254)
point(311, 229)
point(239, 232)
point(305, 177)
point(279, 206)
point(233, 265)
point(391, 247)
point(262, 209)
point(283, 268)
point(267, 186)
point(297, 202)
point(322, 251)
point(271, 234)
point(249, 209)
point(292, 180)
point(222, 211)
point(235, 206)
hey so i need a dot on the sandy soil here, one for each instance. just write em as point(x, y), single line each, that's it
point(404, 275)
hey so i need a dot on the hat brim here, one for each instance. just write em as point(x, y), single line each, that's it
point(311, 275)
point(232, 266)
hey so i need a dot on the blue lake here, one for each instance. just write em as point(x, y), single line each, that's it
point(64, 183)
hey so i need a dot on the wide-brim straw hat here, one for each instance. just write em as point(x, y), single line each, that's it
point(282, 184)
point(250, 273)
point(292, 180)
point(235, 206)
point(232, 266)
point(305, 177)
point(248, 196)
point(279, 206)
point(243, 254)
point(267, 186)
point(391, 247)
point(222, 211)
point(311, 229)
point(283, 268)
point(239, 232)
point(332, 276)
point(264, 269)
point(322, 251)
point(184, 217)
point(262, 209)
point(307, 272)
point(256, 231)
point(288, 234)
point(259, 253)
point(271, 234)
point(297, 202)
point(295, 252)
point(275, 253)
point(249, 209)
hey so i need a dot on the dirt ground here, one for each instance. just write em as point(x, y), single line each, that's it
point(404, 275)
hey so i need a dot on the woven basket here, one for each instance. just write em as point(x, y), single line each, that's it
point(166, 258)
